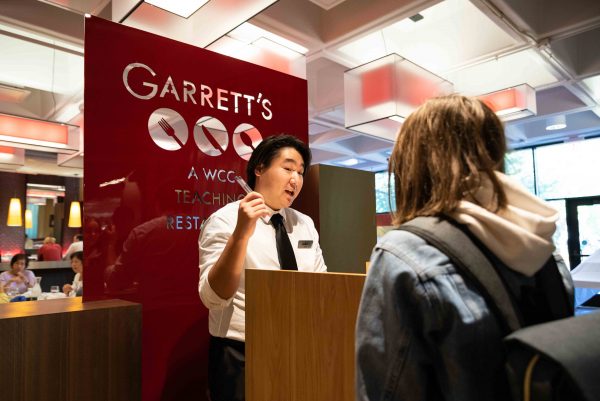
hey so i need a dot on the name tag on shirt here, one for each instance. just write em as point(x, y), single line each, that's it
point(304, 244)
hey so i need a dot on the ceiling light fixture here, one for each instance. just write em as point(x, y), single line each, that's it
point(74, 215)
point(512, 103)
point(555, 123)
point(14, 218)
point(379, 95)
point(349, 162)
point(28, 219)
point(37, 134)
point(11, 158)
point(183, 8)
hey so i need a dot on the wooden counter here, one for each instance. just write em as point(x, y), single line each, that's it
point(35, 265)
point(67, 350)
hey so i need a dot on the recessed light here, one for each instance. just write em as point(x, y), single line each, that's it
point(349, 162)
point(555, 123)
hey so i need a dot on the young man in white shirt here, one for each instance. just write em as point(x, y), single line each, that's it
point(76, 246)
point(240, 236)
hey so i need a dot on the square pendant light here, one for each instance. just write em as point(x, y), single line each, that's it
point(512, 103)
point(40, 135)
point(11, 158)
point(379, 95)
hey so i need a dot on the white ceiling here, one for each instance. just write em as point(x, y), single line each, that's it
point(478, 45)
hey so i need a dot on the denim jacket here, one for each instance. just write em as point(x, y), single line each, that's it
point(423, 332)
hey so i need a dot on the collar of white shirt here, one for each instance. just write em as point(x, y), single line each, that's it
point(267, 219)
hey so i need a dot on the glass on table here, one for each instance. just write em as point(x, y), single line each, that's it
point(54, 289)
point(12, 292)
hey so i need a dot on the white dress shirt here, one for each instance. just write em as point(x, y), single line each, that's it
point(76, 286)
point(76, 246)
point(227, 316)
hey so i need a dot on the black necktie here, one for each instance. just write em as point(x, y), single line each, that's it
point(285, 252)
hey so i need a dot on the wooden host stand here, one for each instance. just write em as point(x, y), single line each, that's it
point(300, 335)
point(67, 350)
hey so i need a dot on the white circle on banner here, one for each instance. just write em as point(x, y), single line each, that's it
point(168, 129)
point(245, 139)
point(211, 136)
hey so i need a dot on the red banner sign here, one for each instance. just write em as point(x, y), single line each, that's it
point(167, 128)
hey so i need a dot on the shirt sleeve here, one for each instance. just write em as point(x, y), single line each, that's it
point(393, 359)
point(4, 278)
point(69, 252)
point(212, 241)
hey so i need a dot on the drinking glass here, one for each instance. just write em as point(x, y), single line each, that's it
point(12, 292)
point(54, 289)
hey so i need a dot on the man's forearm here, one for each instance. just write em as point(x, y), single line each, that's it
point(224, 277)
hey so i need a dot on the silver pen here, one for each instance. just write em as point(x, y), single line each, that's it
point(247, 188)
point(243, 184)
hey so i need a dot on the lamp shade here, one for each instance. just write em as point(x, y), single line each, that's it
point(28, 219)
point(379, 95)
point(74, 215)
point(27, 133)
point(11, 158)
point(512, 103)
point(15, 218)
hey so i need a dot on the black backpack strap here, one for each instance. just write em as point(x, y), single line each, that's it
point(468, 258)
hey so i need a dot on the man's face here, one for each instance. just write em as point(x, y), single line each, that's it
point(281, 182)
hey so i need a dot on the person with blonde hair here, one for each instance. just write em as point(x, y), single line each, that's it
point(50, 250)
point(426, 330)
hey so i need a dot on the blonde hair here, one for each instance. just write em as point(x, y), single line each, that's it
point(442, 150)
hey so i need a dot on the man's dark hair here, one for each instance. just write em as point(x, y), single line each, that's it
point(78, 255)
point(79, 237)
point(269, 148)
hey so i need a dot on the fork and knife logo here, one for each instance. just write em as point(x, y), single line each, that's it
point(169, 131)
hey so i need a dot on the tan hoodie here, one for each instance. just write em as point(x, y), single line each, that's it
point(519, 235)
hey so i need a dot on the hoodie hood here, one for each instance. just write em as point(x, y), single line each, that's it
point(520, 235)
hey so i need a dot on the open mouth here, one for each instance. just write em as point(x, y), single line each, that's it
point(290, 193)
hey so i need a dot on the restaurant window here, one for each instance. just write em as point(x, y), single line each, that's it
point(568, 170)
point(385, 196)
point(519, 165)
